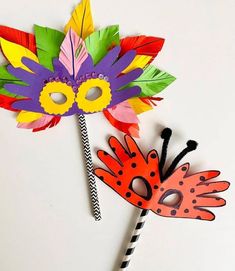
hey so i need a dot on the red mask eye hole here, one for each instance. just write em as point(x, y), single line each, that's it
point(171, 198)
point(141, 187)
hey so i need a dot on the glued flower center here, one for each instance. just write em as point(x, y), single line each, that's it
point(94, 95)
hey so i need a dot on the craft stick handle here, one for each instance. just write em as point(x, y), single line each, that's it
point(133, 242)
point(89, 167)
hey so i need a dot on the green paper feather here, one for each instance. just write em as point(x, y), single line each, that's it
point(7, 78)
point(48, 44)
point(152, 81)
point(99, 42)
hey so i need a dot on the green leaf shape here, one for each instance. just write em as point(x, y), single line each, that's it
point(152, 81)
point(99, 42)
point(48, 42)
point(7, 78)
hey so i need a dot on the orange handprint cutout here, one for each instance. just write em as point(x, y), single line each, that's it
point(194, 192)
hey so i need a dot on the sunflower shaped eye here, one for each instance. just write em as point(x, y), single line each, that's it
point(50, 100)
point(94, 95)
point(171, 198)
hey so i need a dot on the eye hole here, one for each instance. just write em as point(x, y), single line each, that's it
point(58, 97)
point(93, 93)
point(141, 187)
point(171, 198)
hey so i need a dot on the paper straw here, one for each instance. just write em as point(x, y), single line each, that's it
point(89, 167)
point(135, 237)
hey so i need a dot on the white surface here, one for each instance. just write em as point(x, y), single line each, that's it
point(45, 220)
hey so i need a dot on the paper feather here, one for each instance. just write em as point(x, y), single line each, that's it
point(99, 43)
point(15, 52)
point(48, 44)
point(152, 81)
point(73, 53)
point(144, 45)
point(41, 124)
point(123, 118)
point(7, 78)
point(81, 21)
point(138, 62)
point(19, 37)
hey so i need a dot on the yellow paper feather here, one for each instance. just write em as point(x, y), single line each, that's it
point(26, 116)
point(15, 52)
point(139, 106)
point(140, 61)
point(81, 21)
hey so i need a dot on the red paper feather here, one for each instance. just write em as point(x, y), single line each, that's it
point(149, 46)
point(127, 128)
point(6, 102)
point(52, 123)
point(19, 37)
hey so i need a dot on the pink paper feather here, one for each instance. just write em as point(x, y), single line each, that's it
point(123, 112)
point(73, 53)
point(37, 123)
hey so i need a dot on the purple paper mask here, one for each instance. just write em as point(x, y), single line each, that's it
point(43, 83)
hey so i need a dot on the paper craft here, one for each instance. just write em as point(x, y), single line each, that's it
point(72, 64)
point(195, 192)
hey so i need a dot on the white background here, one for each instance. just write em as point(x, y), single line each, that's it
point(45, 219)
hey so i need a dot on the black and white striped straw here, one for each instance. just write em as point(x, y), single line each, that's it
point(89, 167)
point(133, 242)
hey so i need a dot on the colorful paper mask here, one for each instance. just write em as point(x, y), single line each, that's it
point(41, 83)
point(70, 64)
point(195, 191)
point(73, 63)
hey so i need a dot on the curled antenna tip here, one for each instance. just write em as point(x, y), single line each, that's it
point(192, 145)
point(166, 133)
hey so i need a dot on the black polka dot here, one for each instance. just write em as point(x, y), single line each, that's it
point(139, 203)
point(120, 172)
point(161, 189)
point(184, 168)
point(159, 211)
point(105, 153)
point(202, 178)
point(194, 201)
point(119, 183)
point(155, 187)
point(192, 190)
point(128, 194)
point(198, 217)
point(133, 154)
point(133, 165)
point(186, 211)
point(181, 183)
point(153, 155)
point(152, 174)
point(173, 212)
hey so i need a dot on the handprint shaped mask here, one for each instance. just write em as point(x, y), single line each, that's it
point(195, 192)
point(74, 82)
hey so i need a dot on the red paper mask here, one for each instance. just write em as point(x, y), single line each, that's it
point(195, 192)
